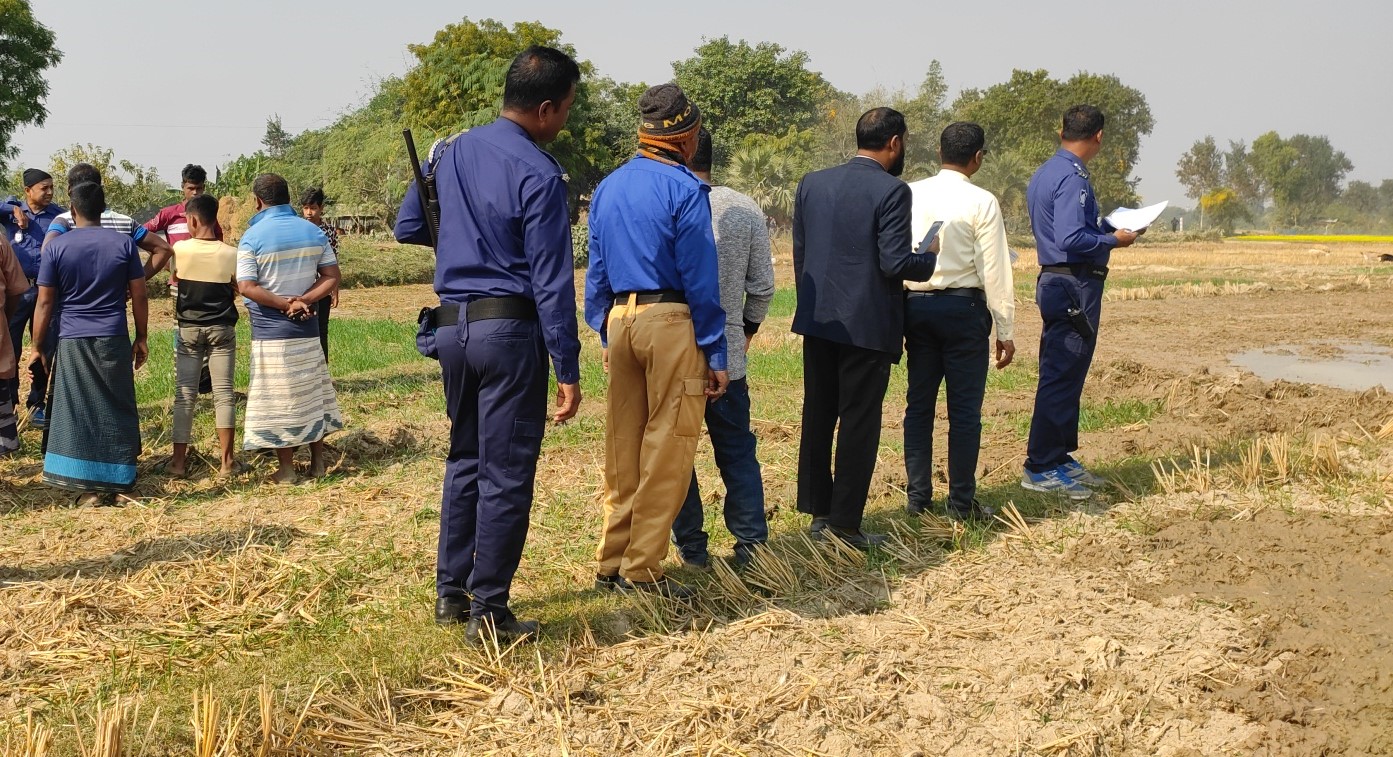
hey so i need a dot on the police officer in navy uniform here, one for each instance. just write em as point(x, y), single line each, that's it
point(1073, 249)
point(504, 275)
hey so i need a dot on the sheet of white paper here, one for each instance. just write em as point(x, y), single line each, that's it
point(1136, 219)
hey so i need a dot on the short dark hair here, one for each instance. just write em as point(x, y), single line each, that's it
point(701, 161)
point(876, 126)
point(83, 173)
point(193, 174)
point(88, 200)
point(312, 196)
point(1081, 122)
point(271, 189)
point(960, 142)
point(204, 208)
point(539, 74)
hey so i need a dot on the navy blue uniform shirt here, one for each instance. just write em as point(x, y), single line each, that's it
point(1064, 214)
point(32, 239)
point(505, 231)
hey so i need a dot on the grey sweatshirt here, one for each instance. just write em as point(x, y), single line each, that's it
point(747, 271)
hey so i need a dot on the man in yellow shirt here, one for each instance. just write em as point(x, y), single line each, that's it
point(949, 321)
point(206, 311)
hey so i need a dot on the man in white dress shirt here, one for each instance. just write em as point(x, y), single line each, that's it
point(949, 321)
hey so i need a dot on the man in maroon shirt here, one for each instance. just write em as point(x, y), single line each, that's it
point(171, 221)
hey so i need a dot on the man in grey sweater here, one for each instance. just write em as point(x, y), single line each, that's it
point(747, 287)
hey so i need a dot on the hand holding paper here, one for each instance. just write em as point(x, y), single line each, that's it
point(1136, 219)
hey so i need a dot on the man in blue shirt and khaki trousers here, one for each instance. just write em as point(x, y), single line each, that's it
point(653, 294)
point(1073, 251)
point(505, 277)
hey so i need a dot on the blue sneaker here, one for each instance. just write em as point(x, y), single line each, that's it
point(1075, 470)
point(1055, 480)
point(37, 419)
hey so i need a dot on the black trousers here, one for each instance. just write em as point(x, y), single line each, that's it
point(322, 311)
point(947, 339)
point(842, 384)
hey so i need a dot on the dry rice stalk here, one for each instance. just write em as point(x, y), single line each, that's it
point(213, 736)
point(660, 613)
point(1016, 525)
point(1249, 470)
point(38, 738)
point(1387, 431)
point(773, 571)
point(1168, 478)
point(728, 585)
point(1279, 453)
point(1199, 478)
point(109, 726)
point(1325, 456)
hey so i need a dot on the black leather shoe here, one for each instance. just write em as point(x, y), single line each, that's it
point(507, 631)
point(700, 562)
point(819, 525)
point(915, 509)
point(854, 539)
point(611, 583)
point(451, 610)
point(663, 587)
point(974, 513)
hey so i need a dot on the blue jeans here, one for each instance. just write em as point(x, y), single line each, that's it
point(19, 323)
point(1065, 356)
point(947, 339)
point(728, 422)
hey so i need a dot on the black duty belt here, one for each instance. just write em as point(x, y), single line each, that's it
point(487, 309)
point(651, 298)
point(972, 293)
point(1084, 271)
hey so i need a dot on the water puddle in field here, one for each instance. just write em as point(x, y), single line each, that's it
point(1343, 365)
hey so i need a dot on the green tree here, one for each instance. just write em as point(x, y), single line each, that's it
point(1223, 209)
point(1240, 176)
point(1006, 175)
point(458, 84)
point(768, 169)
point(1304, 173)
point(1022, 115)
point(277, 139)
point(1201, 169)
point(745, 89)
point(130, 188)
point(26, 51)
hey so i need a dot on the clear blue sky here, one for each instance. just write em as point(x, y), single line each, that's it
point(167, 83)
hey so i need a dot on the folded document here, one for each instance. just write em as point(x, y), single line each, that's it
point(1136, 219)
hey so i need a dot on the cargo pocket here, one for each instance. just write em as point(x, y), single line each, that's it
point(523, 448)
point(690, 412)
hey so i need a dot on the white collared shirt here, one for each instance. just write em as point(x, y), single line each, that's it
point(972, 243)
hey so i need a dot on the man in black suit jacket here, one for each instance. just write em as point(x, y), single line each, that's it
point(852, 252)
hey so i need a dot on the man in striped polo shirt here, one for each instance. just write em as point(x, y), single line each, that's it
point(284, 265)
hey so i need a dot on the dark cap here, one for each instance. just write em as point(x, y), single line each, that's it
point(666, 111)
point(33, 176)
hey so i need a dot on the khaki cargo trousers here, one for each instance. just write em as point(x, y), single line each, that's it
point(657, 382)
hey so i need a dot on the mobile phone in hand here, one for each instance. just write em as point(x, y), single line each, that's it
point(929, 237)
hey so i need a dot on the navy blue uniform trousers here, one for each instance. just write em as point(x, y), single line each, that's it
point(19, 323)
point(496, 377)
point(1065, 356)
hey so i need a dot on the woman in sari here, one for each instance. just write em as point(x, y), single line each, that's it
point(93, 436)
